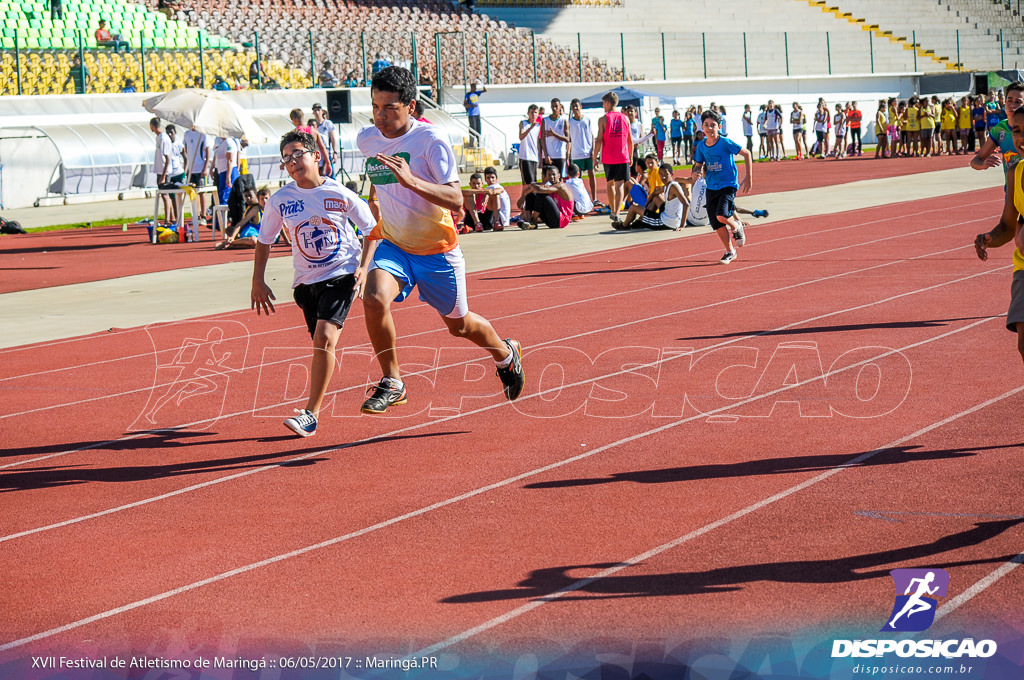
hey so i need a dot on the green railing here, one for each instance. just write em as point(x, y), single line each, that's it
point(453, 59)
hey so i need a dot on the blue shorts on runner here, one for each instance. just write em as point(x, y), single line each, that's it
point(441, 278)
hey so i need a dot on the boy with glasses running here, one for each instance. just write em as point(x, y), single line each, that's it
point(415, 179)
point(314, 211)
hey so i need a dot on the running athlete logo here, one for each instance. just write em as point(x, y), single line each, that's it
point(318, 239)
point(381, 174)
point(915, 607)
point(194, 363)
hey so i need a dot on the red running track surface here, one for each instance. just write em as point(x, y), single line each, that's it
point(47, 259)
point(676, 466)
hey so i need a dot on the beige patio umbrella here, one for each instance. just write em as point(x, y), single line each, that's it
point(206, 111)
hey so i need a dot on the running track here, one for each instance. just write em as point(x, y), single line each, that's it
point(676, 466)
point(48, 259)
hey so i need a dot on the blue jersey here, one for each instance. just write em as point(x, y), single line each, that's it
point(677, 128)
point(473, 103)
point(719, 165)
point(691, 127)
point(1002, 136)
point(659, 128)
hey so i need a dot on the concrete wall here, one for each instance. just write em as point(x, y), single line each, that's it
point(25, 179)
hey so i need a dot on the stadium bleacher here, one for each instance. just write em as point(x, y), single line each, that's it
point(525, 41)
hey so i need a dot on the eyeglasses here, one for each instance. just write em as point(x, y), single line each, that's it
point(294, 157)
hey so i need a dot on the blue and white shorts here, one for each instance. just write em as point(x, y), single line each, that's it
point(441, 278)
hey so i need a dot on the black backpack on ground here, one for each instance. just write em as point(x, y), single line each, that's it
point(11, 227)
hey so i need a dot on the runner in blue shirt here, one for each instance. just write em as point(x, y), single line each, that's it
point(1000, 137)
point(714, 157)
point(676, 133)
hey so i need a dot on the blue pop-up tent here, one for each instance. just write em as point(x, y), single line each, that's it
point(626, 96)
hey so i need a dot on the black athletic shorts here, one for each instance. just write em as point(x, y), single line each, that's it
point(528, 170)
point(616, 172)
point(720, 202)
point(329, 300)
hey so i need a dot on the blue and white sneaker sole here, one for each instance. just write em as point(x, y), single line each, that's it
point(294, 427)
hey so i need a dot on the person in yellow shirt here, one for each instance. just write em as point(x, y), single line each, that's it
point(1008, 229)
point(948, 122)
point(913, 127)
point(881, 131)
point(893, 128)
point(926, 120)
point(964, 123)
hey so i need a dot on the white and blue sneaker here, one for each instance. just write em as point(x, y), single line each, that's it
point(303, 424)
point(738, 236)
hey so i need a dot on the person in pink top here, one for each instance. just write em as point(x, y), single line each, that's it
point(614, 146)
point(296, 118)
point(551, 202)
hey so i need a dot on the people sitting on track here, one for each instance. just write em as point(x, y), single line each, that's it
point(485, 207)
point(243, 233)
point(550, 202)
point(582, 202)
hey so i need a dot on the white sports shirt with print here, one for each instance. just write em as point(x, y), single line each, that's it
point(323, 245)
point(697, 213)
point(408, 220)
point(581, 136)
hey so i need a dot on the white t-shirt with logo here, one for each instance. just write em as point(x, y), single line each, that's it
point(529, 149)
point(408, 220)
point(555, 146)
point(195, 145)
point(220, 157)
point(581, 199)
point(504, 206)
point(325, 128)
point(163, 151)
point(177, 162)
point(324, 246)
point(581, 137)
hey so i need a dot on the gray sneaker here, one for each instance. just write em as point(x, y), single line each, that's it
point(727, 258)
point(382, 395)
point(739, 237)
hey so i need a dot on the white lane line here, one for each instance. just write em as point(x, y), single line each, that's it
point(411, 428)
point(511, 480)
point(582, 334)
point(538, 310)
point(480, 274)
point(979, 587)
point(638, 559)
point(719, 272)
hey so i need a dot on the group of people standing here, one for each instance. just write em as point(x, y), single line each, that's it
point(921, 126)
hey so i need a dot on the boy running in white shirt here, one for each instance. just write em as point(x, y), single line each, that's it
point(415, 178)
point(313, 210)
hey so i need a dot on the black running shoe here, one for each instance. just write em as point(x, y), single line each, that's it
point(382, 396)
point(512, 376)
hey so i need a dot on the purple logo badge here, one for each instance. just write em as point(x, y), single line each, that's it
point(917, 593)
